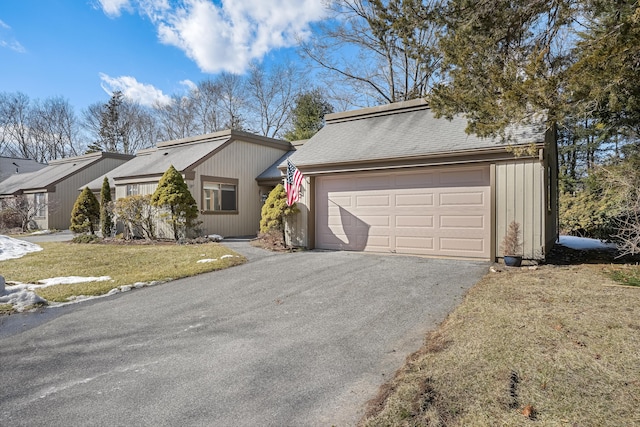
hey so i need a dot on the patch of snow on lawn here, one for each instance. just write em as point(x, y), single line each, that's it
point(200, 261)
point(68, 281)
point(226, 256)
point(19, 296)
point(11, 248)
point(584, 243)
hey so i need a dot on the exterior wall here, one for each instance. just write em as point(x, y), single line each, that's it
point(520, 196)
point(66, 192)
point(297, 228)
point(242, 161)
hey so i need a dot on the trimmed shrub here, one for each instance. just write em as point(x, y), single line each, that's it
point(85, 214)
point(174, 195)
point(106, 208)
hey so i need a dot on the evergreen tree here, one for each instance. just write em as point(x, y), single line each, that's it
point(173, 194)
point(106, 219)
point(308, 115)
point(85, 214)
point(275, 210)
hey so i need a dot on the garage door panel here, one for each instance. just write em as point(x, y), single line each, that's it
point(462, 199)
point(440, 212)
point(336, 200)
point(368, 200)
point(462, 245)
point(413, 245)
point(414, 200)
point(413, 221)
point(462, 221)
point(376, 220)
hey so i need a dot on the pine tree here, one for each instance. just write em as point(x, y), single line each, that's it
point(106, 219)
point(85, 214)
point(308, 115)
point(173, 194)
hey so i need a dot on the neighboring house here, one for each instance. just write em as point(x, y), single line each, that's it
point(396, 179)
point(54, 188)
point(220, 170)
point(11, 166)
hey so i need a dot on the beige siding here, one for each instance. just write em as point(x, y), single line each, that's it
point(298, 225)
point(66, 192)
point(520, 196)
point(242, 161)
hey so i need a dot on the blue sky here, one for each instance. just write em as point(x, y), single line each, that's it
point(149, 49)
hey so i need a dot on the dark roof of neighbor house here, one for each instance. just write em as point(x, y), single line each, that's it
point(184, 154)
point(12, 165)
point(272, 173)
point(397, 131)
point(56, 171)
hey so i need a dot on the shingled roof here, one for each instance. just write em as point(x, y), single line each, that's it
point(56, 171)
point(184, 154)
point(397, 131)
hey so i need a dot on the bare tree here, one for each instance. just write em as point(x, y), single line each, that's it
point(233, 100)
point(272, 94)
point(14, 124)
point(385, 51)
point(26, 208)
point(54, 129)
point(120, 126)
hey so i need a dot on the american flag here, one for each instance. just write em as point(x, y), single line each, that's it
point(292, 183)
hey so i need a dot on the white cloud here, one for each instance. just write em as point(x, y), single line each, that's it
point(189, 84)
point(132, 89)
point(226, 36)
point(10, 43)
point(114, 7)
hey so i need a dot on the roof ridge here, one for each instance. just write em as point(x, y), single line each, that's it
point(382, 110)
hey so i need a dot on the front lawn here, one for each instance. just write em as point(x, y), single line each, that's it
point(125, 264)
point(551, 347)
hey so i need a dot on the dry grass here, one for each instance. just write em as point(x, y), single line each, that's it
point(126, 264)
point(551, 347)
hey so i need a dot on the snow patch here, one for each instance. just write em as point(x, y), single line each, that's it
point(70, 280)
point(215, 237)
point(201, 261)
point(226, 256)
point(584, 243)
point(11, 248)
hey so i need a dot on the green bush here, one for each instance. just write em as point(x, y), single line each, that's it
point(275, 210)
point(86, 238)
point(137, 215)
point(85, 214)
point(174, 195)
point(106, 207)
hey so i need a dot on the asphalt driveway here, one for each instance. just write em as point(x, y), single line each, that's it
point(284, 340)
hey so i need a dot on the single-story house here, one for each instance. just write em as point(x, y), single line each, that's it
point(54, 188)
point(12, 165)
point(220, 170)
point(396, 179)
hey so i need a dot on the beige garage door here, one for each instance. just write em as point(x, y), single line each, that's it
point(435, 211)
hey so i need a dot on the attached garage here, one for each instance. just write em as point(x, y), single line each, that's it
point(433, 211)
point(395, 179)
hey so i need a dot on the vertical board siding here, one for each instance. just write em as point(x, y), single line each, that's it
point(520, 197)
point(242, 161)
point(68, 190)
point(297, 226)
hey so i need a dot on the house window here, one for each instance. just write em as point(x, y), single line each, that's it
point(39, 205)
point(219, 195)
point(132, 190)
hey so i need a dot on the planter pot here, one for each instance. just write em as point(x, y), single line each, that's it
point(512, 261)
